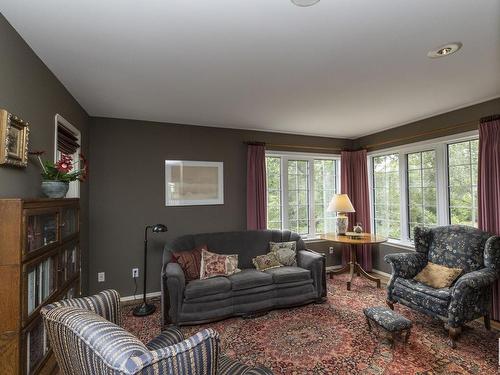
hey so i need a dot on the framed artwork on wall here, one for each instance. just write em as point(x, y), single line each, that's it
point(194, 183)
point(13, 140)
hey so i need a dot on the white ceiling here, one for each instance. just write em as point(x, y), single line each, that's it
point(342, 68)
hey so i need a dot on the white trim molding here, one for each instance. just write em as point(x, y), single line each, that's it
point(138, 297)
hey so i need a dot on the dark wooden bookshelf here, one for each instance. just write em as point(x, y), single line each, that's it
point(39, 264)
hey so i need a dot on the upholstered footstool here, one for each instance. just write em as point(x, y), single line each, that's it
point(390, 321)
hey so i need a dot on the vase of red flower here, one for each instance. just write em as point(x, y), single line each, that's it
point(57, 176)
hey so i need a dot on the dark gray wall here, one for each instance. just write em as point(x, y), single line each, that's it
point(29, 90)
point(128, 183)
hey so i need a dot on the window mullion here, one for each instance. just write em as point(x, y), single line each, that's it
point(284, 192)
point(403, 188)
point(310, 197)
point(442, 184)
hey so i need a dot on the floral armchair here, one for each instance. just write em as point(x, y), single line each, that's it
point(469, 298)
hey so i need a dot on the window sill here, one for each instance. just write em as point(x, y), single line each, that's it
point(313, 240)
point(405, 245)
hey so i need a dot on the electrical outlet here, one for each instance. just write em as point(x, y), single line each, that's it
point(135, 273)
point(101, 277)
point(330, 249)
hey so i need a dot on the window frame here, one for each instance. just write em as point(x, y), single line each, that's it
point(285, 156)
point(439, 145)
point(74, 186)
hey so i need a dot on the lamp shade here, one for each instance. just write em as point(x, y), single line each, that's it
point(340, 203)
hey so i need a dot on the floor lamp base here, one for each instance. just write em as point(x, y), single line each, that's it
point(144, 309)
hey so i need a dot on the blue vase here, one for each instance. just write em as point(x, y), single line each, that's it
point(55, 189)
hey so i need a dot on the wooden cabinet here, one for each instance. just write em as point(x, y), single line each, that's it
point(39, 264)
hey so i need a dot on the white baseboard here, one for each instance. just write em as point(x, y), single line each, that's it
point(139, 296)
point(381, 273)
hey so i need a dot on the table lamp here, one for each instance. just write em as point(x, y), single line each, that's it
point(144, 308)
point(341, 204)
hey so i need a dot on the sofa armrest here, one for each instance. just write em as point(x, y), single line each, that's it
point(316, 263)
point(196, 355)
point(105, 304)
point(173, 284)
point(471, 296)
point(168, 337)
point(404, 265)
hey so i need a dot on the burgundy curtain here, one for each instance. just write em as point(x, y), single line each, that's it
point(256, 187)
point(489, 187)
point(354, 183)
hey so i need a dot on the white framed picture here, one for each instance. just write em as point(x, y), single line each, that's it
point(193, 183)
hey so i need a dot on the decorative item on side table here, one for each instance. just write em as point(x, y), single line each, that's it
point(341, 204)
point(144, 308)
point(57, 176)
point(14, 134)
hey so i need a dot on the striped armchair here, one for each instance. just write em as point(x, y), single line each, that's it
point(85, 336)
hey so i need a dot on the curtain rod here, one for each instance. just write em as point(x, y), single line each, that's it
point(430, 132)
point(489, 118)
point(298, 147)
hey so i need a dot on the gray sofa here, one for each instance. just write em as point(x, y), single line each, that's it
point(246, 293)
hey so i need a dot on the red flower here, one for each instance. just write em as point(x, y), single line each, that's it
point(65, 164)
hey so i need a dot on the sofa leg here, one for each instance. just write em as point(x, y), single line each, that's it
point(390, 304)
point(320, 301)
point(454, 333)
point(487, 323)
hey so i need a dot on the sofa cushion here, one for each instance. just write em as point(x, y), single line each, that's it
point(214, 285)
point(249, 278)
point(288, 274)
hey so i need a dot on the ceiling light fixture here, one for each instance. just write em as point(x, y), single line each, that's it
point(445, 50)
point(304, 3)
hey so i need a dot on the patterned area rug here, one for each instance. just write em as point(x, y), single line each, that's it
point(333, 338)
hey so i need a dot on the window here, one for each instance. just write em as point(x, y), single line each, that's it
point(422, 193)
point(462, 182)
point(299, 189)
point(325, 186)
point(386, 196)
point(424, 184)
point(67, 141)
point(273, 171)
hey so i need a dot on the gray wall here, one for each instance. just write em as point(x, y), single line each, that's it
point(29, 90)
point(128, 182)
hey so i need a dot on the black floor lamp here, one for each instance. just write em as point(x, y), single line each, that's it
point(144, 308)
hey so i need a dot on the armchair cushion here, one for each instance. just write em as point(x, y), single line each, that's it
point(442, 293)
point(420, 295)
point(437, 276)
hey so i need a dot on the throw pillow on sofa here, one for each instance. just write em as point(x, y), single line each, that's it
point(285, 252)
point(190, 262)
point(266, 261)
point(213, 264)
point(437, 276)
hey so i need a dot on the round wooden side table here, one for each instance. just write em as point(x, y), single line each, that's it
point(353, 266)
